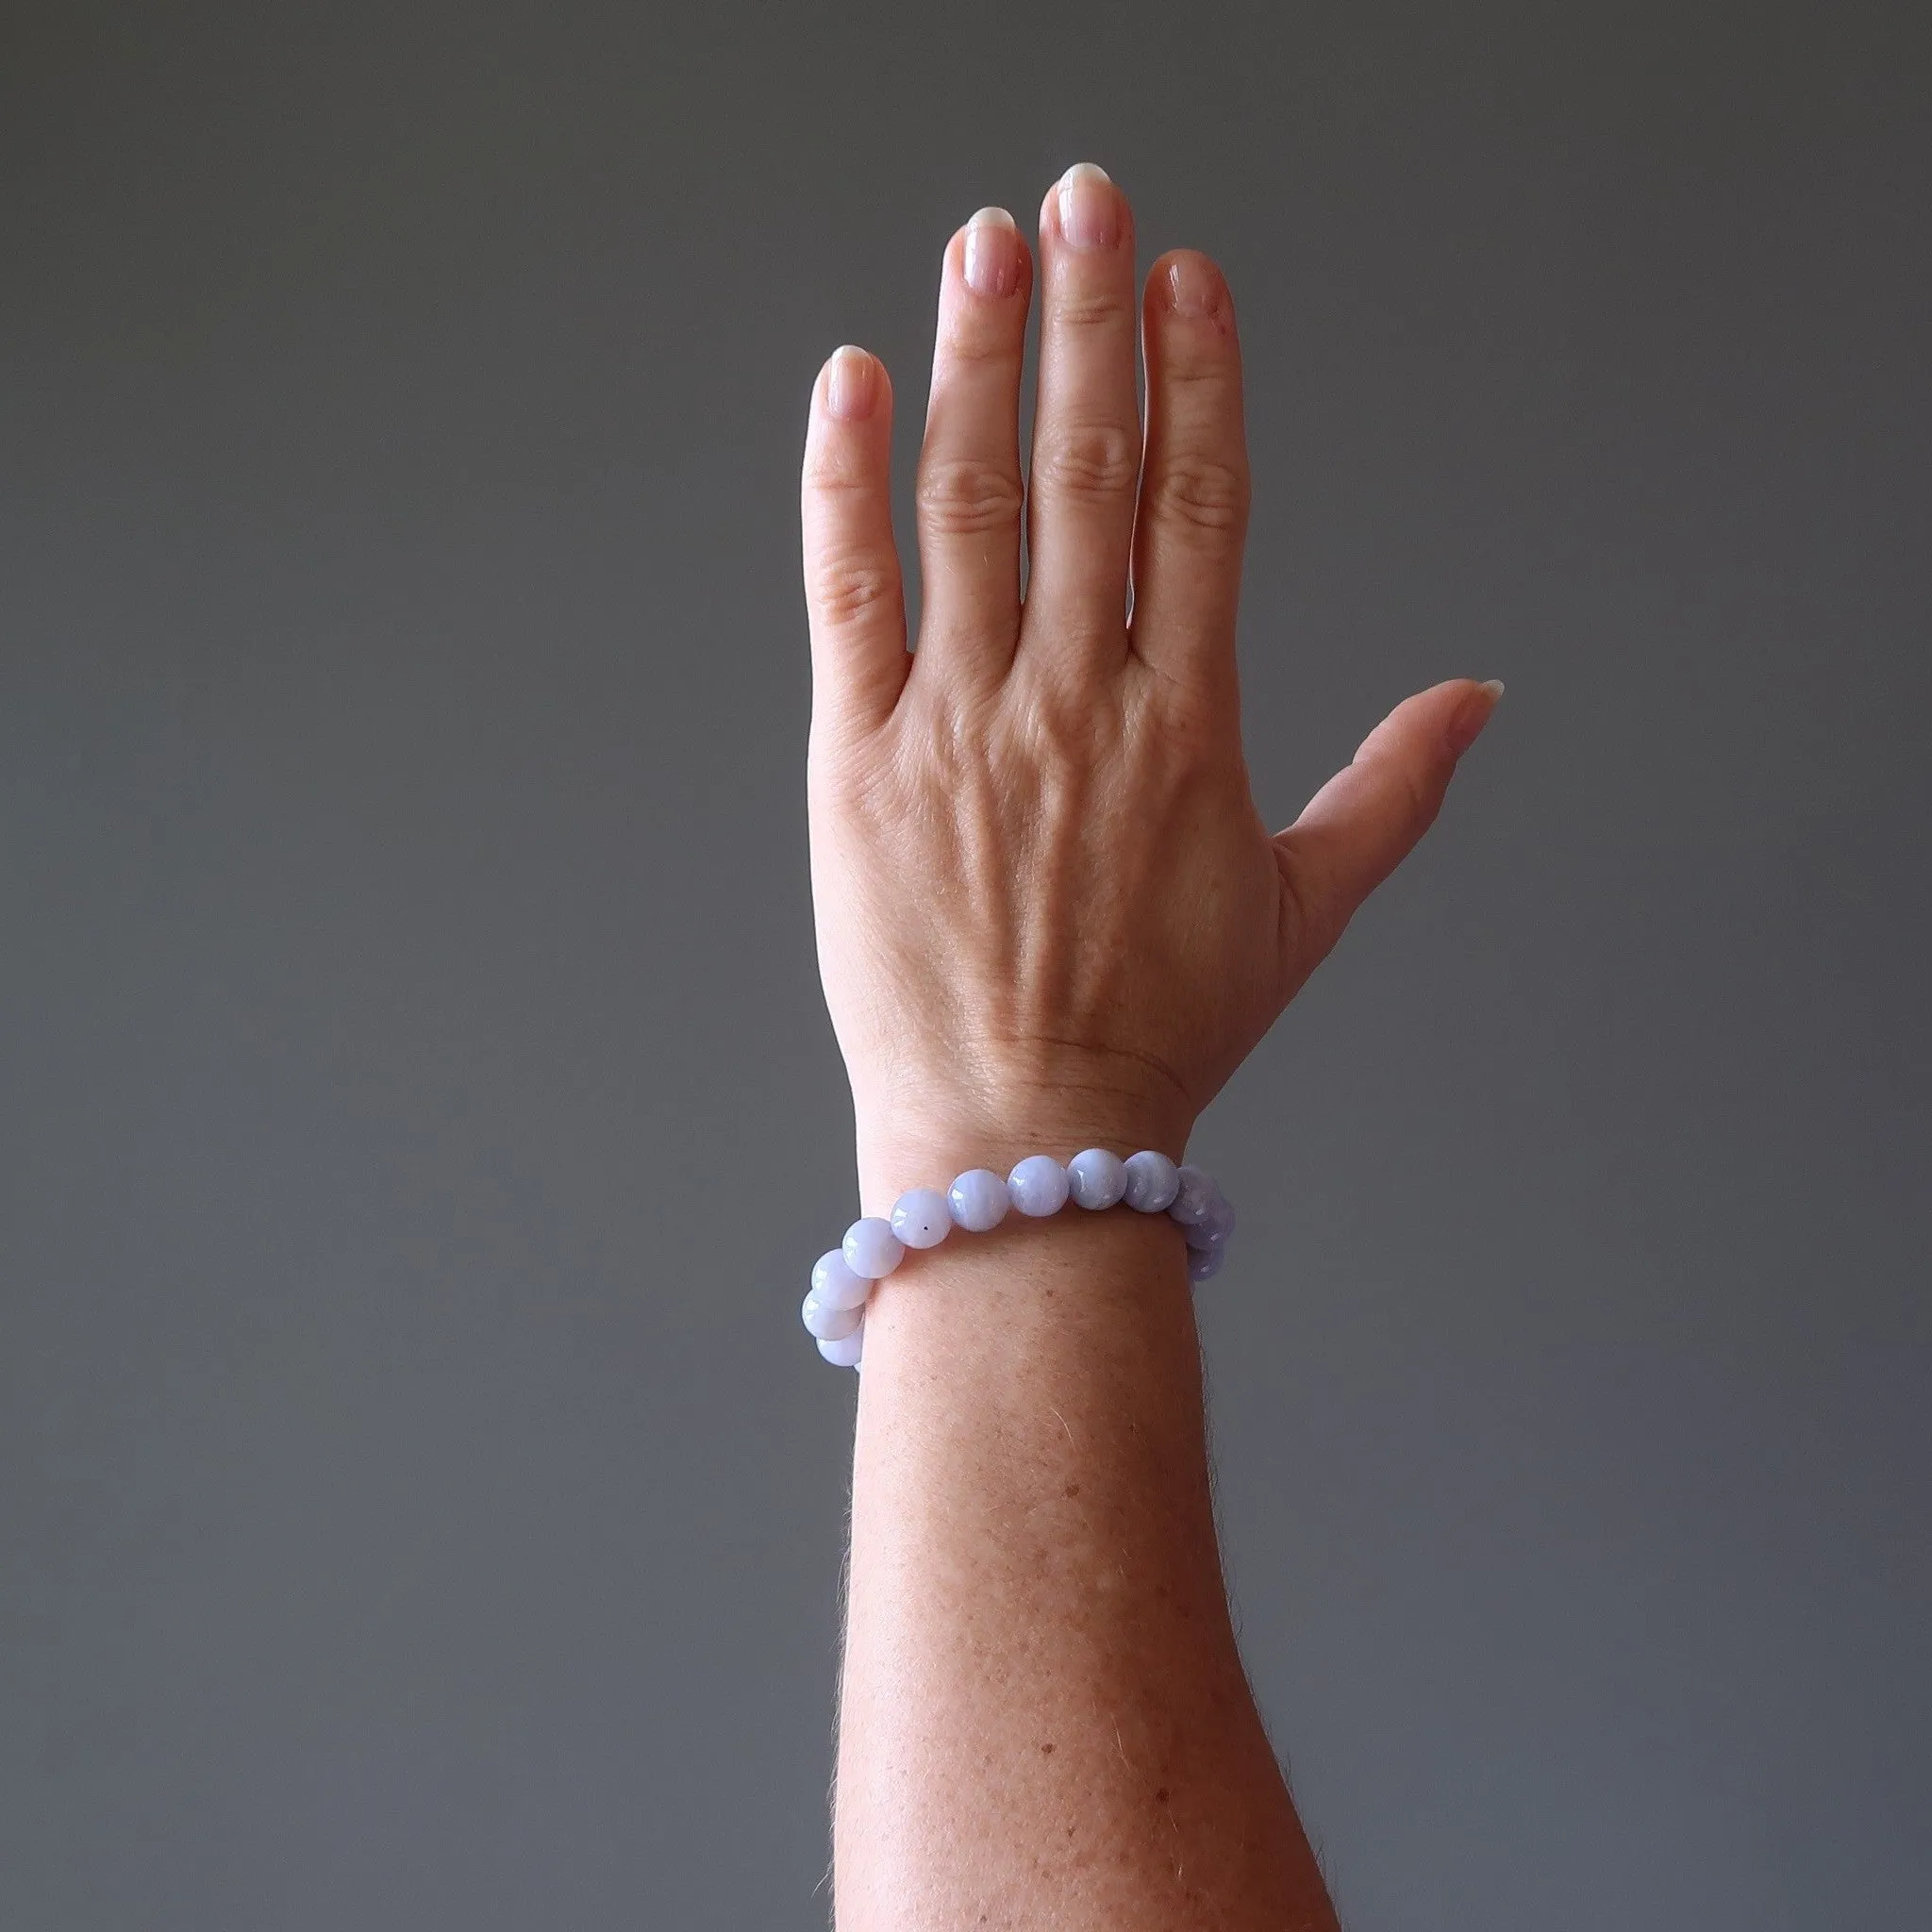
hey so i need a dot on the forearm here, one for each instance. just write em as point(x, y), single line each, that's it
point(1044, 1717)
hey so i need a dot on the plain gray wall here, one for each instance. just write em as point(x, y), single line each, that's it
point(418, 1506)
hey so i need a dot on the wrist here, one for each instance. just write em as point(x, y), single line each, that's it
point(925, 1132)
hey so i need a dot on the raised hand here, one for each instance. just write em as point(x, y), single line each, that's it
point(1047, 906)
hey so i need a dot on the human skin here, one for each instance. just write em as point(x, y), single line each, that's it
point(1050, 916)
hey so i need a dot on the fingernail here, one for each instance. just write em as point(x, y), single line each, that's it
point(1089, 208)
point(992, 253)
point(1473, 714)
point(851, 385)
point(1194, 287)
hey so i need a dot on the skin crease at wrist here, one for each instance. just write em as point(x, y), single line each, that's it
point(1049, 917)
point(903, 1147)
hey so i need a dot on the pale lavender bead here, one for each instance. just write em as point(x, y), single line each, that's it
point(829, 1324)
point(1097, 1178)
point(1204, 1264)
point(843, 1353)
point(920, 1218)
point(1038, 1185)
point(1153, 1180)
point(1215, 1227)
point(979, 1200)
point(1194, 1193)
point(872, 1248)
point(835, 1284)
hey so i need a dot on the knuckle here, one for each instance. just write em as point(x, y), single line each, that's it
point(832, 473)
point(1313, 914)
point(1077, 313)
point(851, 586)
point(1201, 493)
point(968, 496)
point(978, 342)
point(1067, 735)
point(1423, 796)
point(1187, 726)
point(1089, 460)
point(1416, 797)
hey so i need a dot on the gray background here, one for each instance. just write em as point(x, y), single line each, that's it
point(418, 1504)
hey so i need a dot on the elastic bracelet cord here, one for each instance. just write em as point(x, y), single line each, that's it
point(1148, 1182)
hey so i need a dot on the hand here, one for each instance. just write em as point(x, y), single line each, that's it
point(1048, 912)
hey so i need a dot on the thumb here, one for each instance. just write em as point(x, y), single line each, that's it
point(1367, 819)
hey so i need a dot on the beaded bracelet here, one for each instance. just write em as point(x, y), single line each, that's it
point(843, 1280)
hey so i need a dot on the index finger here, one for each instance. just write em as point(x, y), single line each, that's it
point(852, 590)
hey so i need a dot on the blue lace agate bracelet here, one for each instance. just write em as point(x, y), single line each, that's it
point(1150, 1183)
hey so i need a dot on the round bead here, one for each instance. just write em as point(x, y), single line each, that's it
point(1097, 1178)
point(872, 1248)
point(1193, 1198)
point(1153, 1180)
point(1214, 1227)
point(829, 1324)
point(920, 1218)
point(845, 1352)
point(979, 1200)
point(1038, 1185)
point(1204, 1264)
point(834, 1283)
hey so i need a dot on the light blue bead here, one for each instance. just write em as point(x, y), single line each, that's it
point(1214, 1227)
point(845, 1352)
point(835, 1284)
point(979, 1200)
point(1097, 1178)
point(872, 1248)
point(1204, 1264)
point(829, 1324)
point(1038, 1185)
point(1153, 1180)
point(1194, 1193)
point(920, 1218)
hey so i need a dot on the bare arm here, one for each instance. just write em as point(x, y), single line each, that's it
point(1050, 918)
point(1045, 1721)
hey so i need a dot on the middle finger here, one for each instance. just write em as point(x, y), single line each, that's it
point(1086, 430)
